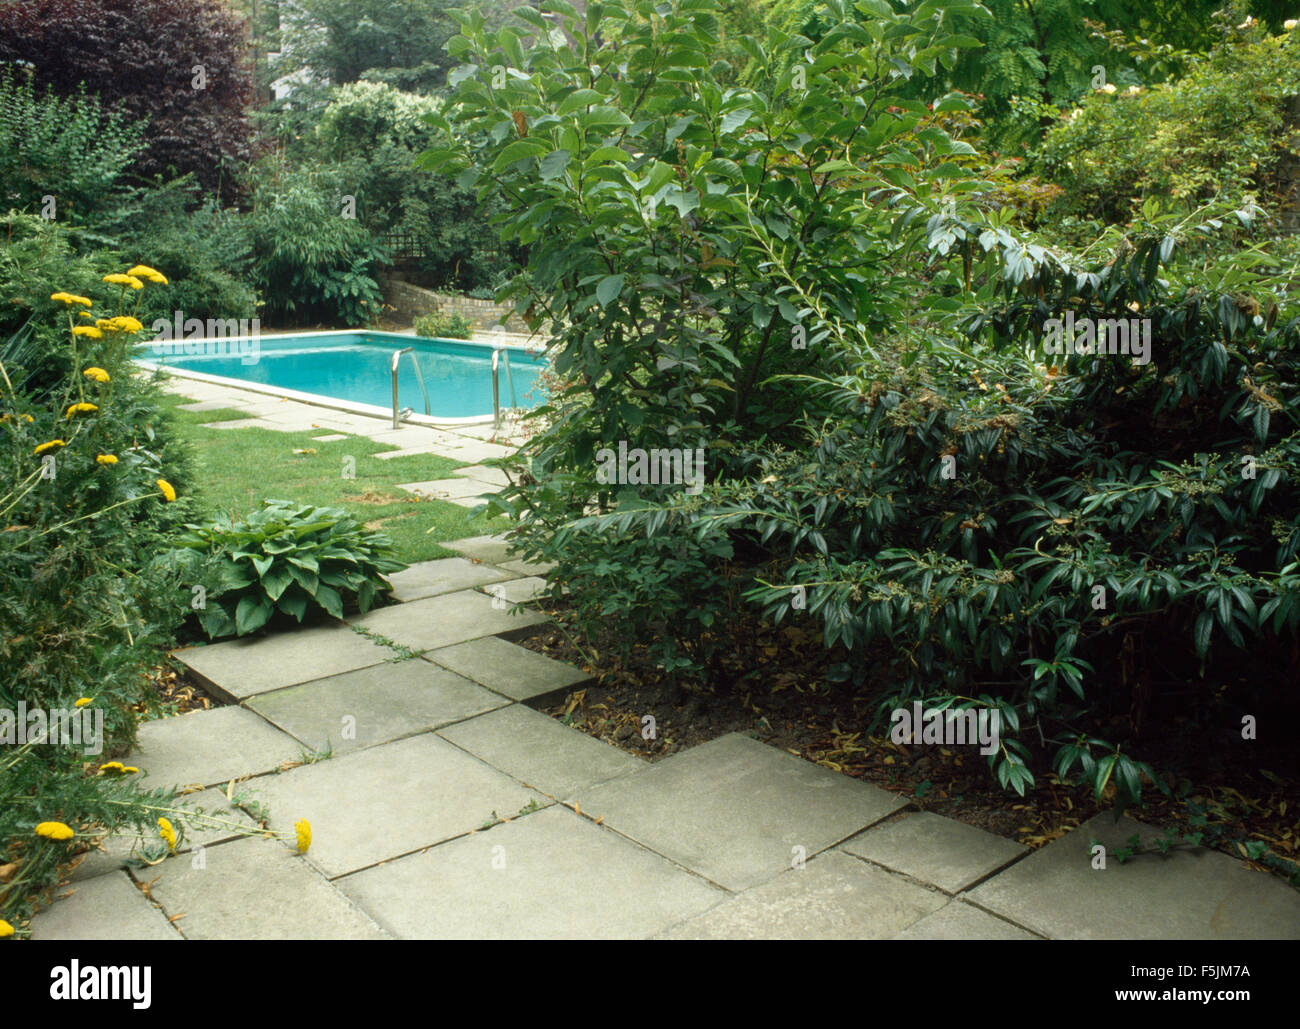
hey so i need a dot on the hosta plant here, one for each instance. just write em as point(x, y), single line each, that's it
point(293, 559)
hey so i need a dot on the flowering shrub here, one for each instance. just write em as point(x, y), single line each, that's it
point(91, 486)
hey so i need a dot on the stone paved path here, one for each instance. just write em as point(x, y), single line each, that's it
point(450, 807)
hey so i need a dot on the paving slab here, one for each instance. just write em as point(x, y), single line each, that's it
point(116, 852)
point(548, 875)
point(373, 705)
point(945, 853)
point(516, 591)
point(209, 748)
point(540, 752)
point(207, 405)
point(377, 804)
point(107, 907)
point(492, 550)
point(491, 476)
point(241, 668)
point(1184, 895)
point(958, 920)
point(446, 575)
point(509, 669)
point(736, 810)
point(833, 897)
point(458, 488)
point(451, 618)
point(257, 889)
point(540, 568)
point(330, 437)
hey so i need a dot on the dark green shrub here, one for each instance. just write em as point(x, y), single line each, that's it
point(297, 560)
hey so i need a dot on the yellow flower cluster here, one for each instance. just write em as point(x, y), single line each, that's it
point(106, 459)
point(83, 701)
point(98, 374)
point(167, 489)
point(122, 323)
point(89, 331)
point(81, 409)
point(24, 417)
point(143, 271)
point(54, 831)
point(70, 299)
point(302, 828)
point(117, 767)
point(117, 279)
point(5, 929)
point(49, 446)
point(166, 831)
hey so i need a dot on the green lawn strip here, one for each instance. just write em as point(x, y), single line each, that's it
point(238, 468)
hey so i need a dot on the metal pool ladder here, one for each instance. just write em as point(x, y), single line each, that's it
point(497, 354)
point(397, 358)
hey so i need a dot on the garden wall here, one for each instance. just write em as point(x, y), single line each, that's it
point(409, 302)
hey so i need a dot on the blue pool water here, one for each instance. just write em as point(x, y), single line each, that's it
point(356, 367)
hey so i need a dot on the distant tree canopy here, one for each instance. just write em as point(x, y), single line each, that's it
point(399, 42)
point(179, 64)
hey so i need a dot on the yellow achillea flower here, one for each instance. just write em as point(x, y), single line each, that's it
point(130, 769)
point(168, 490)
point(124, 280)
point(80, 409)
point(106, 459)
point(47, 446)
point(24, 417)
point(89, 331)
point(70, 299)
point(85, 314)
point(143, 271)
point(166, 831)
point(54, 831)
point(5, 929)
point(98, 374)
point(302, 828)
point(112, 766)
point(83, 702)
point(122, 323)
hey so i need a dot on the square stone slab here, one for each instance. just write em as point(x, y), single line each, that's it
point(451, 618)
point(734, 809)
point(958, 920)
point(374, 705)
point(446, 489)
point(257, 889)
point(209, 748)
point(508, 668)
point(447, 575)
point(1185, 895)
point(491, 476)
point(540, 752)
point(107, 907)
point(515, 591)
point(117, 851)
point(940, 851)
point(492, 550)
point(548, 875)
point(377, 804)
point(240, 668)
point(833, 897)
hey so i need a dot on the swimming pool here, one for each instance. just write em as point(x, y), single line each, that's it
point(352, 370)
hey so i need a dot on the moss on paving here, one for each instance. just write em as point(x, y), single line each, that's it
point(238, 468)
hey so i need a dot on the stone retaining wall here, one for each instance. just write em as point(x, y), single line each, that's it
point(410, 302)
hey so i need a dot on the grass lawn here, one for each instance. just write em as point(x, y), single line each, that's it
point(238, 468)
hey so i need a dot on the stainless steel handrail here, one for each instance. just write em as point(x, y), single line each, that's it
point(497, 354)
point(419, 377)
point(496, 390)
